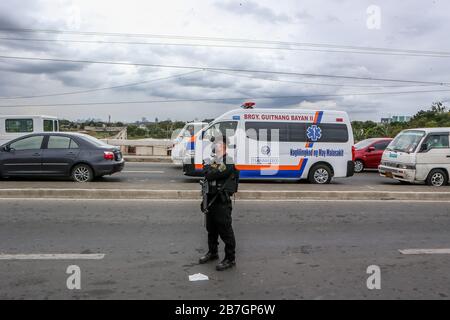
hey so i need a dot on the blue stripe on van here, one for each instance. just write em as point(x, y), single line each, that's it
point(190, 145)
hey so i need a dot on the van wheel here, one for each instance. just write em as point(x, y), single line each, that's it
point(437, 178)
point(82, 173)
point(320, 174)
point(359, 166)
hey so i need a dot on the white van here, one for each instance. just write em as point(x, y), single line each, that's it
point(179, 144)
point(417, 156)
point(12, 127)
point(280, 144)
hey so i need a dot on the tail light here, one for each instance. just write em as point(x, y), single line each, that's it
point(108, 155)
point(353, 153)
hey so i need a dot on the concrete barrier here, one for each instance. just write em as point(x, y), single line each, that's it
point(109, 194)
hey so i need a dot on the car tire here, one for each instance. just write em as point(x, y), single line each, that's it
point(437, 178)
point(359, 166)
point(82, 173)
point(320, 174)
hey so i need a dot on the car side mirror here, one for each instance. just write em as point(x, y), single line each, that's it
point(371, 149)
point(7, 149)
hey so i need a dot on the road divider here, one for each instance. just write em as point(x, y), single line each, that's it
point(38, 193)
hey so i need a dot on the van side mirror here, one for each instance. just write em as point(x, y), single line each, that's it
point(424, 147)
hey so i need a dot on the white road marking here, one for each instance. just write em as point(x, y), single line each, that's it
point(316, 192)
point(64, 256)
point(424, 251)
point(237, 200)
point(142, 171)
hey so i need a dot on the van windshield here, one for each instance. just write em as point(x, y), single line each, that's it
point(406, 141)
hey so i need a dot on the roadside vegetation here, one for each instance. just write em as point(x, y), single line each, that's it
point(437, 116)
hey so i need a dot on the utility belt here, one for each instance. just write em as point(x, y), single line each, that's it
point(227, 186)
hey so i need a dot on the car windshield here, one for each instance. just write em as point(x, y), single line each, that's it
point(364, 144)
point(406, 141)
point(95, 141)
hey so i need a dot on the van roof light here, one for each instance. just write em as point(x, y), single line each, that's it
point(248, 105)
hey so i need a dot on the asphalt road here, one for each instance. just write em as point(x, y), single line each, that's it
point(166, 176)
point(286, 250)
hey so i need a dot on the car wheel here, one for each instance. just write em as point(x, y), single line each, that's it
point(320, 174)
point(359, 166)
point(437, 178)
point(82, 173)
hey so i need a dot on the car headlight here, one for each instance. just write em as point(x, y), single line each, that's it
point(408, 166)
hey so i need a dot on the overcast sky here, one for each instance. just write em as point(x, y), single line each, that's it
point(411, 24)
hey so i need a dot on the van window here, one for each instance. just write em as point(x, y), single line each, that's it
point(48, 126)
point(30, 143)
point(295, 132)
point(19, 125)
point(437, 141)
point(225, 128)
point(333, 132)
point(268, 131)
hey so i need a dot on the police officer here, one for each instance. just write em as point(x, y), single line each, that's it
point(221, 179)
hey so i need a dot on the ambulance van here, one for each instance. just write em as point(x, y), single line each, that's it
point(280, 144)
point(13, 127)
point(418, 156)
point(182, 139)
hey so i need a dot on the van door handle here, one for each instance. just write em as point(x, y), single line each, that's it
point(448, 156)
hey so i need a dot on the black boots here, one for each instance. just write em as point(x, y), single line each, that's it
point(208, 257)
point(225, 264)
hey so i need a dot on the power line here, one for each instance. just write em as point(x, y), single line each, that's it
point(222, 69)
point(221, 39)
point(221, 99)
point(230, 46)
point(101, 89)
point(322, 84)
point(189, 73)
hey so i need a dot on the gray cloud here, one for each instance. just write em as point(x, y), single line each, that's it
point(415, 25)
point(252, 8)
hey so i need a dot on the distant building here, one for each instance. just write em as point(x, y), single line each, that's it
point(396, 119)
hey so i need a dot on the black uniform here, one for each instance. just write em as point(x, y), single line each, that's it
point(218, 217)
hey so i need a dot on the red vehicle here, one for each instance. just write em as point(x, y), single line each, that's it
point(369, 152)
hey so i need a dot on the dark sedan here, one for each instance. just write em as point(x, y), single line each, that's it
point(74, 155)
